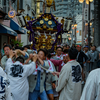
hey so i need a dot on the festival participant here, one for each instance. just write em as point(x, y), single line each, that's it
point(28, 50)
point(87, 67)
point(5, 91)
point(7, 49)
point(51, 54)
point(94, 55)
point(73, 45)
point(61, 63)
point(17, 46)
point(68, 47)
point(50, 81)
point(17, 73)
point(64, 47)
point(82, 59)
point(81, 56)
point(37, 79)
point(69, 82)
point(59, 52)
point(91, 90)
point(24, 54)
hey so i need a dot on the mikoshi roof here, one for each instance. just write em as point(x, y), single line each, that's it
point(47, 23)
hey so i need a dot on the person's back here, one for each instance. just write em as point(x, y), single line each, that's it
point(71, 74)
point(94, 55)
point(5, 93)
point(92, 87)
point(17, 74)
point(69, 82)
point(81, 57)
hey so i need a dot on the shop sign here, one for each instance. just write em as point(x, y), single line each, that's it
point(11, 14)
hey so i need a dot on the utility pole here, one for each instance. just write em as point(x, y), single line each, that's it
point(97, 22)
point(72, 37)
point(17, 5)
point(89, 40)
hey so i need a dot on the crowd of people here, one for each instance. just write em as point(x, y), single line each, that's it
point(27, 74)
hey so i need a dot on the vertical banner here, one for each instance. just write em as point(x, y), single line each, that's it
point(86, 14)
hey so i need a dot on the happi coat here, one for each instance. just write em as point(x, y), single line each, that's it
point(92, 87)
point(5, 90)
point(17, 74)
point(50, 78)
point(33, 77)
point(69, 82)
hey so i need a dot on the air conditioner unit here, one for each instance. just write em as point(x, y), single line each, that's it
point(1, 6)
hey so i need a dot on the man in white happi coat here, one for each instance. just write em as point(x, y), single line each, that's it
point(17, 73)
point(5, 92)
point(69, 82)
point(92, 87)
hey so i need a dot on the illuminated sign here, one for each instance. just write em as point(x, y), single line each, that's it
point(11, 14)
point(77, 31)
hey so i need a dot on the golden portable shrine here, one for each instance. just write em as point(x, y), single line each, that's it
point(41, 30)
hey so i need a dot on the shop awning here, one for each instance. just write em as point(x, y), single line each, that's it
point(16, 27)
point(6, 30)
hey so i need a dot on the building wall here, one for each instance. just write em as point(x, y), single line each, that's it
point(4, 38)
point(64, 38)
point(70, 9)
point(33, 6)
point(84, 27)
point(5, 7)
point(67, 8)
point(27, 4)
point(24, 39)
point(79, 28)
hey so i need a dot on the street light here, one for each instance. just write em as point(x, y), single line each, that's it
point(75, 25)
point(88, 2)
point(91, 0)
point(81, 1)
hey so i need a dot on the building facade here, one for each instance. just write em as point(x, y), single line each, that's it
point(85, 17)
point(29, 13)
point(5, 22)
point(70, 9)
point(11, 21)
